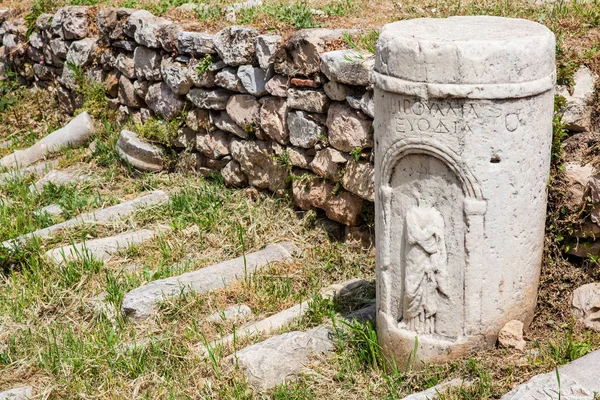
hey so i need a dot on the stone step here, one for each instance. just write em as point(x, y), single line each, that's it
point(578, 380)
point(36, 170)
point(58, 177)
point(108, 214)
point(100, 249)
point(22, 393)
point(140, 303)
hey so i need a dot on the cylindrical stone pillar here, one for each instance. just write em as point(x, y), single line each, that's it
point(463, 132)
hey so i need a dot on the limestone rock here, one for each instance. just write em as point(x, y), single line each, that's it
point(127, 93)
point(57, 178)
point(586, 305)
point(578, 112)
point(223, 121)
point(111, 21)
point(273, 118)
point(82, 52)
point(435, 392)
point(359, 178)
point(71, 22)
point(198, 120)
point(266, 46)
point(577, 178)
point(143, 27)
point(163, 101)
point(195, 43)
point(244, 109)
point(209, 99)
point(206, 79)
point(337, 91)
point(277, 86)
point(300, 157)
point(367, 104)
point(126, 65)
point(214, 144)
point(252, 79)
point(348, 66)
point(168, 36)
point(189, 162)
point(46, 73)
point(140, 87)
point(308, 100)
point(127, 45)
point(235, 45)
point(328, 163)
point(147, 63)
point(229, 79)
point(232, 313)
point(176, 76)
point(22, 393)
point(258, 161)
point(511, 335)
point(348, 129)
point(280, 358)
point(233, 175)
point(304, 131)
point(140, 154)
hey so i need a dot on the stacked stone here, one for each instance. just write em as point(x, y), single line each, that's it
point(265, 112)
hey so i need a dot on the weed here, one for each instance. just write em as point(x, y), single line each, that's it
point(364, 42)
point(559, 132)
point(204, 64)
point(356, 153)
point(340, 8)
point(160, 131)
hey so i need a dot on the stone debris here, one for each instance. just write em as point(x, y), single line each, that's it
point(140, 154)
point(577, 115)
point(586, 305)
point(22, 393)
point(435, 392)
point(195, 43)
point(139, 303)
point(511, 335)
point(99, 249)
point(234, 313)
point(52, 210)
point(75, 134)
point(105, 215)
point(58, 177)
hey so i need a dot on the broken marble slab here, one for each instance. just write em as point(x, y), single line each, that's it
point(435, 392)
point(58, 177)
point(108, 214)
point(22, 393)
point(140, 303)
point(234, 313)
point(52, 209)
point(36, 170)
point(76, 133)
point(100, 249)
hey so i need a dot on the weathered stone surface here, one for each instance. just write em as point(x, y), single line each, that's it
point(435, 392)
point(304, 131)
point(367, 104)
point(141, 88)
point(337, 91)
point(52, 210)
point(71, 22)
point(209, 99)
point(35, 170)
point(99, 249)
point(214, 144)
point(300, 157)
point(266, 46)
point(143, 27)
point(280, 358)
point(139, 303)
point(586, 305)
point(22, 393)
point(195, 43)
point(578, 381)
point(140, 154)
point(57, 178)
point(147, 63)
point(344, 207)
point(127, 94)
point(577, 178)
point(111, 21)
point(235, 45)
point(328, 163)
point(46, 73)
point(127, 45)
point(186, 138)
point(168, 36)
point(511, 335)
point(75, 134)
point(82, 52)
point(206, 79)
point(348, 66)
point(273, 118)
point(359, 178)
point(232, 313)
point(176, 76)
point(308, 100)
point(161, 99)
point(228, 79)
point(277, 86)
point(190, 162)
point(244, 109)
point(233, 175)
point(126, 65)
point(348, 129)
point(578, 112)
point(301, 53)
point(223, 121)
point(252, 79)
point(258, 161)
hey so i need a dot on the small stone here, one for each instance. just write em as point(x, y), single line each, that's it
point(308, 100)
point(71, 23)
point(176, 76)
point(244, 109)
point(252, 79)
point(234, 176)
point(127, 93)
point(359, 178)
point(328, 163)
point(367, 104)
point(223, 121)
point(229, 79)
point(22, 393)
point(147, 63)
point(577, 114)
point(348, 129)
point(108, 59)
point(303, 130)
point(277, 86)
point(111, 21)
point(52, 210)
point(266, 46)
point(235, 45)
point(337, 91)
point(59, 48)
point(273, 118)
point(195, 43)
point(127, 45)
point(198, 119)
point(577, 178)
point(168, 36)
point(186, 138)
point(46, 73)
point(35, 40)
point(126, 65)
point(189, 162)
point(141, 88)
point(511, 335)
point(230, 314)
point(163, 101)
point(258, 161)
point(586, 305)
point(306, 83)
point(300, 157)
point(143, 27)
point(348, 66)
point(206, 79)
point(214, 145)
point(140, 154)
point(209, 99)
point(57, 178)
point(354, 100)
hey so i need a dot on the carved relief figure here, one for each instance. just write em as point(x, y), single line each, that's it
point(425, 268)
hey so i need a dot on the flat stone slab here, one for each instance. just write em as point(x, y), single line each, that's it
point(578, 381)
point(434, 392)
point(140, 303)
point(99, 249)
point(233, 313)
point(108, 214)
point(140, 154)
point(52, 209)
point(22, 393)
point(36, 170)
point(58, 177)
point(277, 359)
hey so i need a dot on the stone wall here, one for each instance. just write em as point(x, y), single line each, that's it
point(265, 111)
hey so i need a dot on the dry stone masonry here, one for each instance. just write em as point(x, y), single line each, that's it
point(462, 149)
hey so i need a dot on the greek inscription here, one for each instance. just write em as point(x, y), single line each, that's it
point(418, 116)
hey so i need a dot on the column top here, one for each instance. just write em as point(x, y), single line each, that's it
point(473, 57)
